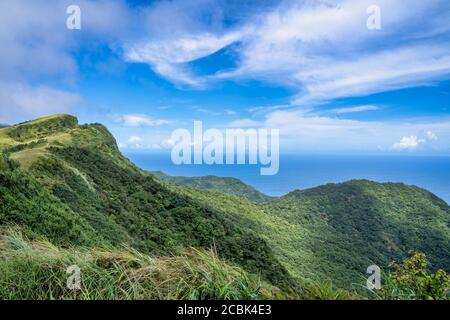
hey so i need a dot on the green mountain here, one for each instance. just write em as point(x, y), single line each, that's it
point(336, 231)
point(70, 184)
point(360, 223)
point(228, 185)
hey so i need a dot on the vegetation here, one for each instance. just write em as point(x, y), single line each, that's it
point(82, 191)
point(227, 185)
point(37, 270)
point(24, 146)
point(40, 128)
point(412, 281)
point(336, 231)
point(77, 199)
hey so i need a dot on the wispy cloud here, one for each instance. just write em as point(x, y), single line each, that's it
point(322, 49)
point(301, 131)
point(35, 101)
point(139, 143)
point(355, 109)
point(139, 120)
point(206, 111)
point(168, 56)
point(133, 142)
point(378, 72)
point(266, 109)
point(432, 136)
point(37, 64)
point(245, 123)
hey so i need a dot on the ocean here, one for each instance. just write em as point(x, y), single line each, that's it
point(306, 171)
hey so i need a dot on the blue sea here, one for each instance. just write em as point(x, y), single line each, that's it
point(306, 171)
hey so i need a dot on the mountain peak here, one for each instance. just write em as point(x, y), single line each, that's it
point(26, 142)
point(39, 128)
point(55, 117)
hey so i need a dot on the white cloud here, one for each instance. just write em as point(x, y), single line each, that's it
point(35, 41)
point(37, 51)
point(377, 72)
point(168, 56)
point(266, 109)
point(148, 143)
point(179, 32)
point(133, 142)
point(408, 143)
point(245, 123)
point(325, 50)
point(322, 49)
point(139, 120)
point(308, 132)
point(167, 143)
point(431, 135)
point(354, 109)
point(180, 50)
point(206, 111)
point(134, 139)
point(21, 100)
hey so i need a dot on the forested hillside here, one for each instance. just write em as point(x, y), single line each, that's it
point(71, 184)
point(228, 185)
point(336, 231)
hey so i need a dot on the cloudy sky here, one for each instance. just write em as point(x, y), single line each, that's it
point(312, 69)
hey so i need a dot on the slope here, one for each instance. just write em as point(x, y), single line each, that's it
point(228, 185)
point(336, 231)
point(71, 184)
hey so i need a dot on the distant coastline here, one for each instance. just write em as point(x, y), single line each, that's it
point(307, 171)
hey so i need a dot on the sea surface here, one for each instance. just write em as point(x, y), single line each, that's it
point(306, 171)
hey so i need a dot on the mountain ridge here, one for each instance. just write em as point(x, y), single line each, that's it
point(76, 188)
point(224, 184)
point(73, 186)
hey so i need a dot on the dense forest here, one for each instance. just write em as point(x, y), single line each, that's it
point(66, 187)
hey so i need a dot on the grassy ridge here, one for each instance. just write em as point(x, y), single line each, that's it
point(40, 128)
point(82, 191)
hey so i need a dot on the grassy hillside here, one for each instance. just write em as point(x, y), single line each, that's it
point(228, 185)
point(37, 270)
point(74, 187)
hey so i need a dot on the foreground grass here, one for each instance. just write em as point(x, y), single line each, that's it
point(37, 270)
point(32, 268)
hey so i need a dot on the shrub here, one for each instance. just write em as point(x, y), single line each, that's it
point(411, 280)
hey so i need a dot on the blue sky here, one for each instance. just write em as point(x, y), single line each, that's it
point(309, 68)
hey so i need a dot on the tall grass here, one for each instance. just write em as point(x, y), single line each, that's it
point(326, 291)
point(32, 268)
point(36, 270)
